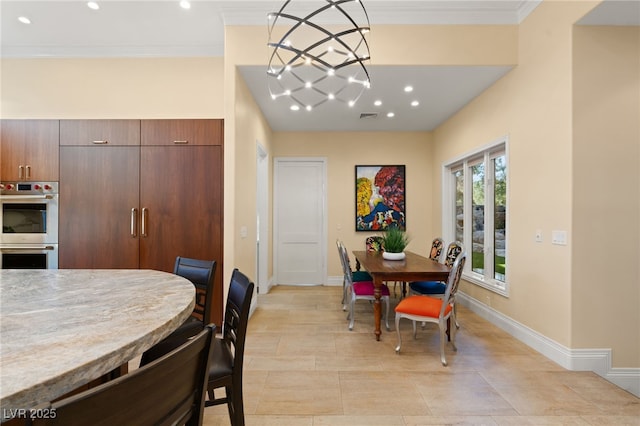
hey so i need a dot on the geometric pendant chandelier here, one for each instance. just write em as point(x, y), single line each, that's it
point(318, 56)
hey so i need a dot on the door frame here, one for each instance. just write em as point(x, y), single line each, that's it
point(323, 236)
point(262, 219)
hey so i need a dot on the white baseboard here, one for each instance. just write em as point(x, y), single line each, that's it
point(596, 360)
point(334, 281)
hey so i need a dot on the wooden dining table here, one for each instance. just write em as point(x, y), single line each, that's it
point(413, 267)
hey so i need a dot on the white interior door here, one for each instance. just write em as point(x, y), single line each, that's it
point(300, 221)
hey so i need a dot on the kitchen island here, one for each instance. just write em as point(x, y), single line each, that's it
point(60, 329)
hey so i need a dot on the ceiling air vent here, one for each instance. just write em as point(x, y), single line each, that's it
point(368, 115)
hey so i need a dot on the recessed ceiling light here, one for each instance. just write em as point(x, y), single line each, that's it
point(24, 20)
point(185, 4)
point(391, 114)
point(378, 103)
point(295, 108)
point(415, 103)
point(408, 89)
point(93, 5)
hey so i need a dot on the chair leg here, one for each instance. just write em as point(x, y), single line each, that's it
point(452, 332)
point(455, 312)
point(351, 315)
point(442, 325)
point(386, 315)
point(344, 295)
point(237, 419)
point(398, 333)
point(415, 330)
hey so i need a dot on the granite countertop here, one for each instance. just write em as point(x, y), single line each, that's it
point(62, 328)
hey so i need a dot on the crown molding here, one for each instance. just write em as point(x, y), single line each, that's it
point(435, 12)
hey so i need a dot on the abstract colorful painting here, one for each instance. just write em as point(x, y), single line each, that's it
point(380, 197)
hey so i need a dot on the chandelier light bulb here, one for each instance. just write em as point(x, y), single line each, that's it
point(314, 64)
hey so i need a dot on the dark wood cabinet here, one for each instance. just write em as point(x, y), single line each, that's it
point(29, 150)
point(100, 132)
point(99, 188)
point(182, 132)
point(141, 206)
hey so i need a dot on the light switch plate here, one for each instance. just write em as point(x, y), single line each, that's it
point(559, 238)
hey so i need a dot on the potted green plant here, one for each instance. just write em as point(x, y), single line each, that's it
point(394, 242)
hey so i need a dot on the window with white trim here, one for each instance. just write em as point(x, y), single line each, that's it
point(475, 213)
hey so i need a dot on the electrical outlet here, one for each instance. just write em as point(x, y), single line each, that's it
point(538, 236)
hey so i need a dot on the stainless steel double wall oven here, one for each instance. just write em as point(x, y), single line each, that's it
point(29, 222)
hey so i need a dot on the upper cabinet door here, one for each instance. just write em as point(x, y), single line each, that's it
point(182, 132)
point(100, 132)
point(29, 150)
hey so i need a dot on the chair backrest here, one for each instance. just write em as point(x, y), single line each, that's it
point(374, 243)
point(453, 282)
point(453, 251)
point(201, 273)
point(437, 245)
point(346, 265)
point(169, 390)
point(340, 246)
point(236, 317)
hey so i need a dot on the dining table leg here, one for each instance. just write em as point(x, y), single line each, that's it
point(377, 307)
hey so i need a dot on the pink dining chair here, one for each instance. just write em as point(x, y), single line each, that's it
point(360, 290)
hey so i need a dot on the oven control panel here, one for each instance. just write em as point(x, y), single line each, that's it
point(28, 188)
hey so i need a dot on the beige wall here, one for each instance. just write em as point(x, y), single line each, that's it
point(532, 105)
point(112, 88)
point(606, 191)
point(343, 152)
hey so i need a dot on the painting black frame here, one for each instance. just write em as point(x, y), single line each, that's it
point(388, 201)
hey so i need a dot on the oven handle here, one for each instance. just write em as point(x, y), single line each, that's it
point(26, 248)
point(27, 197)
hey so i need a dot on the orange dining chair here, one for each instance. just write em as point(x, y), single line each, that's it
point(432, 309)
point(437, 288)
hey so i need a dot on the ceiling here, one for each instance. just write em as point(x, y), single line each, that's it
point(161, 28)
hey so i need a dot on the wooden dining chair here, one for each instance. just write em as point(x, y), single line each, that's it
point(433, 309)
point(227, 358)
point(167, 391)
point(201, 273)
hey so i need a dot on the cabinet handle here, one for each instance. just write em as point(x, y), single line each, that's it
point(180, 142)
point(28, 168)
point(143, 229)
point(20, 172)
point(100, 142)
point(134, 222)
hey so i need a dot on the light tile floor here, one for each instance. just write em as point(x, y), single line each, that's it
point(304, 367)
